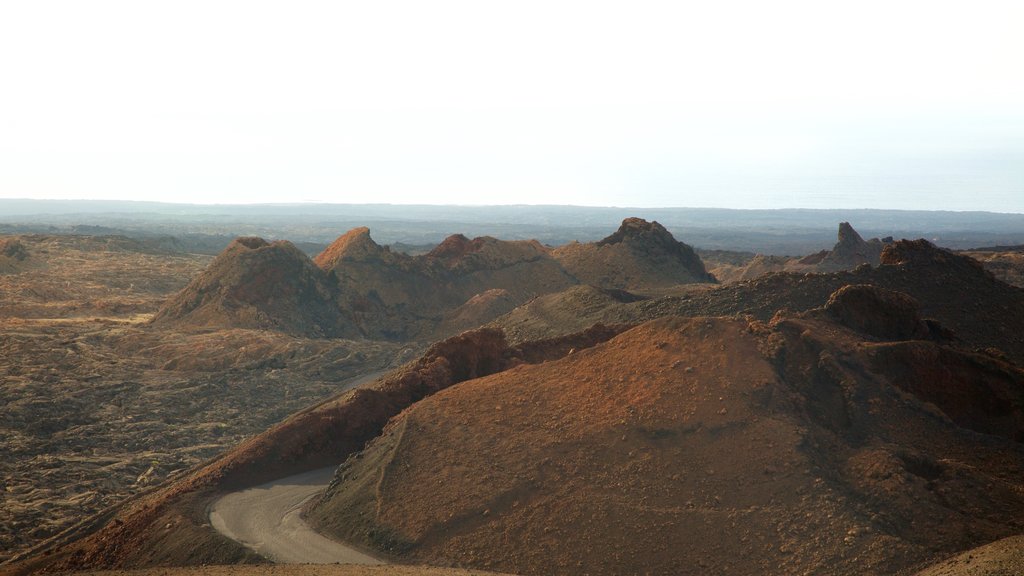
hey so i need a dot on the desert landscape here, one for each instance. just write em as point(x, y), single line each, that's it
point(614, 406)
point(555, 288)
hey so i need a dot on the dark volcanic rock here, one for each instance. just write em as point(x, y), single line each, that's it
point(878, 312)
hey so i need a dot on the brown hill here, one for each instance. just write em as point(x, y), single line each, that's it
point(953, 289)
point(477, 311)
point(398, 296)
point(256, 284)
point(639, 255)
point(565, 312)
point(169, 525)
point(757, 266)
point(696, 446)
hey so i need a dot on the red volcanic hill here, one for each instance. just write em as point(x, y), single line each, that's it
point(843, 441)
point(256, 284)
point(639, 255)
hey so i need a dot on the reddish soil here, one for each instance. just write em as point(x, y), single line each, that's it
point(694, 446)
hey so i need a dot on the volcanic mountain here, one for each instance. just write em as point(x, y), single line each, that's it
point(954, 289)
point(257, 284)
point(356, 286)
point(639, 255)
point(398, 296)
point(848, 440)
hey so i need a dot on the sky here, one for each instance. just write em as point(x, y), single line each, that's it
point(734, 104)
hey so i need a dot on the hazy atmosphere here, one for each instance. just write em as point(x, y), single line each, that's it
point(899, 105)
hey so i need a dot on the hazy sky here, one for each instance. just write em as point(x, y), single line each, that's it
point(900, 104)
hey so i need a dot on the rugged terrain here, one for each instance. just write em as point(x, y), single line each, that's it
point(865, 419)
point(953, 289)
point(849, 439)
point(356, 287)
point(98, 405)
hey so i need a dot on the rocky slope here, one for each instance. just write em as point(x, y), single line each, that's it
point(402, 297)
point(355, 286)
point(821, 442)
point(639, 255)
point(1005, 262)
point(982, 311)
point(256, 284)
point(167, 525)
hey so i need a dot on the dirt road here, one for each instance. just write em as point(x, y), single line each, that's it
point(267, 518)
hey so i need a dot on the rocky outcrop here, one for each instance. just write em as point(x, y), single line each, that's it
point(884, 314)
point(638, 255)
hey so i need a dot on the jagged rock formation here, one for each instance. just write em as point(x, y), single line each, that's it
point(849, 252)
point(798, 446)
point(256, 284)
point(638, 255)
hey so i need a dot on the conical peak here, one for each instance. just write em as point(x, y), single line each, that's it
point(848, 236)
point(638, 229)
point(356, 245)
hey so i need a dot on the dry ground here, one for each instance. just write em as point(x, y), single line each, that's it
point(97, 405)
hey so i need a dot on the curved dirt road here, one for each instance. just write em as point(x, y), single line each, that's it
point(267, 518)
